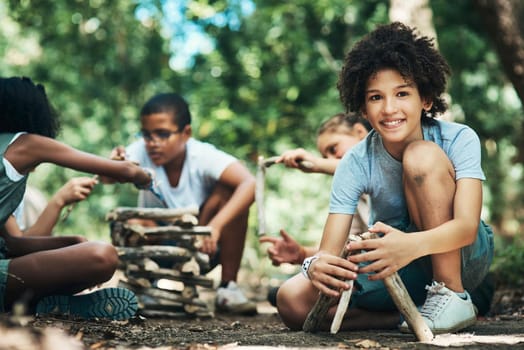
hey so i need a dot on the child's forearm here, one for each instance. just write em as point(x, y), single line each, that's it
point(47, 219)
point(19, 246)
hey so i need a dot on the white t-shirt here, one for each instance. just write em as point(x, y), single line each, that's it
point(202, 167)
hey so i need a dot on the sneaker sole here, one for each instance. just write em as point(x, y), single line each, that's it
point(456, 328)
point(110, 303)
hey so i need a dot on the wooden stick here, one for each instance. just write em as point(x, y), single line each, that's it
point(318, 313)
point(259, 196)
point(260, 188)
point(345, 295)
point(125, 213)
point(342, 307)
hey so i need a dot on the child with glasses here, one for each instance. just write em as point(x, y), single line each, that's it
point(424, 181)
point(47, 272)
point(194, 173)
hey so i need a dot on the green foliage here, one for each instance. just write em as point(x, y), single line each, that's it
point(508, 264)
point(483, 98)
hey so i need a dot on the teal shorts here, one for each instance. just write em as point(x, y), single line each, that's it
point(4, 265)
point(476, 260)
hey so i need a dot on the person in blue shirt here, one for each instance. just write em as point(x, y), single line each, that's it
point(424, 179)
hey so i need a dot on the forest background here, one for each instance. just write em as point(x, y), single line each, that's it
point(260, 76)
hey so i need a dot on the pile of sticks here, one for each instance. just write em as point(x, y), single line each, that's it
point(162, 264)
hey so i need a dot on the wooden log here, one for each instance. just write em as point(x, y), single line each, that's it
point(117, 233)
point(173, 275)
point(154, 251)
point(189, 292)
point(169, 232)
point(170, 214)
point(169, 297)
point(186, 220)
point(190, 267)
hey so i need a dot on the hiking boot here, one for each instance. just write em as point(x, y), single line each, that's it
point(444, 311)
point(109, 303)
point(231, 299)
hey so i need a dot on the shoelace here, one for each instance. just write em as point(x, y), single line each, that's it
point(434, 300)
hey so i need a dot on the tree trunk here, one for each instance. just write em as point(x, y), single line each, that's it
point(502, 18)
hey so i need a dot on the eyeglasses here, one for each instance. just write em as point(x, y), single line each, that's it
point(157, 135)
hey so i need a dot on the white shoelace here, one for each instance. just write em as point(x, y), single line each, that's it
point(435, 300)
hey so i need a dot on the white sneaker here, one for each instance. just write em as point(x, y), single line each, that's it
point(231, 299)
point(444, 311)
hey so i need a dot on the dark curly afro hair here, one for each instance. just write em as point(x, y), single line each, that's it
point(394, 46)
point(24, 107)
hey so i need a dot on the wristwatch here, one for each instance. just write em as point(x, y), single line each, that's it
point(306, 264)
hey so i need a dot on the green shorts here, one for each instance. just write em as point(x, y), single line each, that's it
point(476, 260)
point(4, 265)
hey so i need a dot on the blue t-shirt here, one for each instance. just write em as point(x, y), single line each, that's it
point(369, 168)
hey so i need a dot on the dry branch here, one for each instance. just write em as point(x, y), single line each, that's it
point(173, 275)
point(126, 213)
point(154, 252)
point(169, 232)
point(260, 188)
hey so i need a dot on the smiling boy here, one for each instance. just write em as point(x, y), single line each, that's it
point(424, 181)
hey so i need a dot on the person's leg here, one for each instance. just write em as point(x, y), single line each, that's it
point(233, 235)
point(229, 297)
point(297, 296)
point(65, 271)
point(429, 183)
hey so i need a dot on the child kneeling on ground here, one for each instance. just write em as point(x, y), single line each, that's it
point(424, 181)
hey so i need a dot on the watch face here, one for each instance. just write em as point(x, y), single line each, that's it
point(305, 265)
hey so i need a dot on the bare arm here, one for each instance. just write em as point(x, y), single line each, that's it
point(285, 249)
point(74, 190)
point(29, 150)
point(293, 159)
point(18, 246)
point(397, 249)
point(328, 271)
point(237, 177)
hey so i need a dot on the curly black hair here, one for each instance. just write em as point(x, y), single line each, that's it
point(24, 107)
point(394, 46)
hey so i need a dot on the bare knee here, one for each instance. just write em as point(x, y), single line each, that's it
point(104, 258)
point(423, 159)
point(295, 302)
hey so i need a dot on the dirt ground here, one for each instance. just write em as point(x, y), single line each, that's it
point(503, 328)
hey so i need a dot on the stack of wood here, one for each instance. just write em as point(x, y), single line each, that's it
point(162, 264)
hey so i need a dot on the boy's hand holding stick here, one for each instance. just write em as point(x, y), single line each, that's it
point(396, 289)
